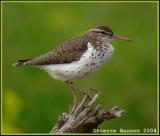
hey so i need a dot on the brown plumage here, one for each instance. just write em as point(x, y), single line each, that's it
point(106, 29)
point(69, 51)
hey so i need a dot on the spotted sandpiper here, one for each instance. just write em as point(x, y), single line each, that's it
point(77, 58)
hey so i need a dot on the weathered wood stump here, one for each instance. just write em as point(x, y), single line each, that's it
point(83, 117)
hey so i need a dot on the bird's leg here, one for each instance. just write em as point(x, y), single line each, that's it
point(68, 83)
point(74, 87)
point(81, 92)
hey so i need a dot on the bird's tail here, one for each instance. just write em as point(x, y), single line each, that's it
point(20, 63)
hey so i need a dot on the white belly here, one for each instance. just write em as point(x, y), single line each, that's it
point(89, 63)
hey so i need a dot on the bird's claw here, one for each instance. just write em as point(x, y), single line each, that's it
point(94, 90)
point(88, 91)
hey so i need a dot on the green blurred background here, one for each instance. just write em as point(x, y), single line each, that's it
point(32, 100)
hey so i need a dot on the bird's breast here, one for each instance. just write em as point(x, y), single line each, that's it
point(93, 59)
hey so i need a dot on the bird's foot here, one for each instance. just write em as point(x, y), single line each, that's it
point(85, 92)
point(94, 91)
point(88, 92)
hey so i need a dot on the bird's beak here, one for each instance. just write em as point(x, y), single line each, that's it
point(116, 37)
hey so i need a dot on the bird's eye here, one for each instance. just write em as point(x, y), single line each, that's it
point(103, 32)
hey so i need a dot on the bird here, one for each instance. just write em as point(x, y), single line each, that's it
point(77, 58)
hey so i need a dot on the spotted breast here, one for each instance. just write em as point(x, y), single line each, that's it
point(89, 63)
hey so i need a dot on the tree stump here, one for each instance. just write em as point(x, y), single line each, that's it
point(83, 117)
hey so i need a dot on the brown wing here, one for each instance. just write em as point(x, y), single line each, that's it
point(67, 52)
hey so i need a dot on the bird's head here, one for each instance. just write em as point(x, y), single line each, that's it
point(107, 34)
